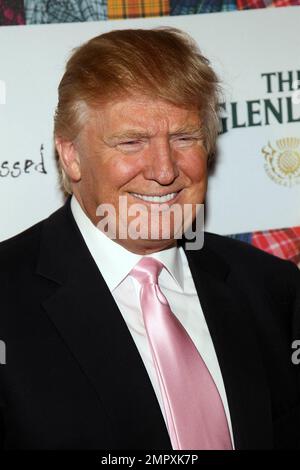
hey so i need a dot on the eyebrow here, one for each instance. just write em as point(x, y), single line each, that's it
point(136, 133)
point(189, 130)
point(130, 134)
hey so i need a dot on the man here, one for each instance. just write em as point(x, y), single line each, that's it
point(135, 341)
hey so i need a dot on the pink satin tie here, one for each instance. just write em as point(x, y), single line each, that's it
point(194, 410)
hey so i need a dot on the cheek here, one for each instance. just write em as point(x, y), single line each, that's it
point(122, 170)
point(109, 172)
point(194, 166)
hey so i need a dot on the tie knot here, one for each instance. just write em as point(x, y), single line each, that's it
point(147, 270)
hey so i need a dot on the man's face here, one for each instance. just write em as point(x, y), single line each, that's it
point(138, 147)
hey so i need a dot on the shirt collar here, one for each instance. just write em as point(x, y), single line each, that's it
point(113, 260)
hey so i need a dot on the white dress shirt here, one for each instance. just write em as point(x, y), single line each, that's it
point(115, 263)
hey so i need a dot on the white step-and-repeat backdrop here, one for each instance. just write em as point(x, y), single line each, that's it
point(256, 181)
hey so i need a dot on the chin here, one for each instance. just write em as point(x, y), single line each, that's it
point(148, 246)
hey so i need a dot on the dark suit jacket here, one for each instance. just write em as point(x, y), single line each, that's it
point(73, 378)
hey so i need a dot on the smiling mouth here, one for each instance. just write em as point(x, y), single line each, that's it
point(156, 199)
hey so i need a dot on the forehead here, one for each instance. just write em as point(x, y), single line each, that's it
point(144, 113)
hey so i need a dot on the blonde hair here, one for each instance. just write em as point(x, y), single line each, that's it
point(164, 63)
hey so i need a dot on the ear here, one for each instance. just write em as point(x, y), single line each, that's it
point(69, 158)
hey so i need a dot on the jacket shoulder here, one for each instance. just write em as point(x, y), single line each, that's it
point(22, 250)
point(21, 246)
point(243, 255)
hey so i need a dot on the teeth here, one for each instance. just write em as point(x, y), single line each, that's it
point(160, 199)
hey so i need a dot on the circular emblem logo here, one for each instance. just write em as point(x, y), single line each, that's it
point(282, 161)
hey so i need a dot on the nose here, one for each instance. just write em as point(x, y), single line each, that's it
point(161, 164)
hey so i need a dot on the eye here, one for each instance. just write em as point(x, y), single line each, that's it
point(130, 142)
point(185, 140)
point(130, 145)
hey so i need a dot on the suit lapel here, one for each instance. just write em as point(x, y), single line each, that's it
point(235, 345)
point(89, 321)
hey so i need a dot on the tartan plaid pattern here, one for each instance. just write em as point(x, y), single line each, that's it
point(14, 12)
point(118, 9)
point(252, 4)
point(11, 12)
point(64, 11)
point(285, 3)
point(243, 237)
point(284, 243)
point(190, 7)
point(249, 4)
